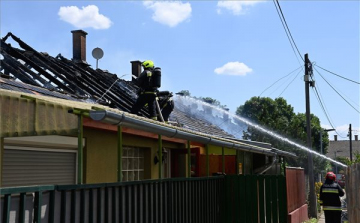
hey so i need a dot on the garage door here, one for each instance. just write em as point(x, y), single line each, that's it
point(29, 166)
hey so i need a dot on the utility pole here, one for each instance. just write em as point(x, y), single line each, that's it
point(308, 83)
point(350, 138)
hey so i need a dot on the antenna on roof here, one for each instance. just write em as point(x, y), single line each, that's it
point(97, 53)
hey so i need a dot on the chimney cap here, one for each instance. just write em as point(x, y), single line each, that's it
point(79, 31)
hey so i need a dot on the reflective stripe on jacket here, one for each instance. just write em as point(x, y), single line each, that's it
point(330, 193)
point(331, 208)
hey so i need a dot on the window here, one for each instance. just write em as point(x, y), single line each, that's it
point(132, 164)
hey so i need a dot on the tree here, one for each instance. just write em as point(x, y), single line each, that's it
point(185, 93)
point(279, 117)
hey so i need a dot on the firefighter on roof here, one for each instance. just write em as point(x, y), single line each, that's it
point(149, 82)
point(166, 104)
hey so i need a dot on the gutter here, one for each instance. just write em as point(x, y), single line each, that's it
point(136, 122)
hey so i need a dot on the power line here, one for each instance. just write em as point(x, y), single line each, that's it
point(279, 80)
point(287, 30)
point(317, 87)
point(291, 44)
point(290, 83)
point(353, 102)
point(323, 107)
point(338, 75)
point(336, 91)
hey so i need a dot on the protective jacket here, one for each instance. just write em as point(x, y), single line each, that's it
point(147, 94)
point(144, 80)
point(330, 193)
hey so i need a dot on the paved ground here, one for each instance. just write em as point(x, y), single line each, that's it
point(322, 218)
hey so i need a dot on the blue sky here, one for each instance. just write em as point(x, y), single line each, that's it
point(229, 50)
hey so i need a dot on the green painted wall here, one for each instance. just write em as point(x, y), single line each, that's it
point(100, 154)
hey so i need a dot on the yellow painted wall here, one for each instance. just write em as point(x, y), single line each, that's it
point(216, 150)
point(100, 155)
point(1, 157)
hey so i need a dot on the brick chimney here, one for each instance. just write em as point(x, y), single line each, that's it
point(356, 138)
point(79, 46)
point(135, 68)
point(335, 137)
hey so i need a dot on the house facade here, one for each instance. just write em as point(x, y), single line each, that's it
point(50, 136)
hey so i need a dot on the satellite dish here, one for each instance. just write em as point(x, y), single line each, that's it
point(1, 57)
point(97, 53)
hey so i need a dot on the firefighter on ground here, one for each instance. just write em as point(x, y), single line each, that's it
point(147, 93)
point(330, 193)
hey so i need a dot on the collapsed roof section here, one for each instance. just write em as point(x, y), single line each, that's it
point(29, 71)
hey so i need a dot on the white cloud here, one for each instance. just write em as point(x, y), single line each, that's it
point(85, 17)
point(236, 7)
point(234, 68)
point(169, 13)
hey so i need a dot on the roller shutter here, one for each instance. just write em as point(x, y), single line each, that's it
point(23, 167)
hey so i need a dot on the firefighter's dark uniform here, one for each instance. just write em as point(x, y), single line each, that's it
point(147, 94)
point(166, 104)
point(330, 193)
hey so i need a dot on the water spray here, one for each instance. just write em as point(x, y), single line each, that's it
point(258, 127)
point(110, 88)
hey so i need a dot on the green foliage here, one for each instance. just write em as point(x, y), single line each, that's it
point(279, 117)
point(185, 93)
point(212, 101)
point(346, 160)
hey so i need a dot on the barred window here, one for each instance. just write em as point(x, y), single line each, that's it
point(132, 164)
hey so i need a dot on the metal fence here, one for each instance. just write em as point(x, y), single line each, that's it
point(153, 201)
point(251, 198)
point(199, 200)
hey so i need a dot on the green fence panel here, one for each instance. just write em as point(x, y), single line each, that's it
point(63, 207)
point(268, 199)
point(22, 208)
point(274, 194)
point(282, 199)
point(52, 207)
point(37, 207)
point(261, 181)
point(106, 211)
point(6, 210)
point(73, 206)
point(237, 198)
point(91, 206)
point(249, 198)
point(242, 211)
point(99, 205)
point(254, 198)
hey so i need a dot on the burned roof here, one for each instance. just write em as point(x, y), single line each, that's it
point(29, 71)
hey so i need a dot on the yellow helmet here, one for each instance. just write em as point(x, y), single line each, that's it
point(148, 64)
